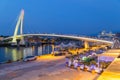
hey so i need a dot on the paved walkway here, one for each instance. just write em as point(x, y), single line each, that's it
point(113, 70)
point(52, 68)
point(111, 53)
point(7, 68)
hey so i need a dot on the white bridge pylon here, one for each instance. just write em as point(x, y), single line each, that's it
point(19, 24)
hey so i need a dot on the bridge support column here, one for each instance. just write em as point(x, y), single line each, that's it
point(86, 45)
point(22, 41)
point(53, 47)
point(20, 21)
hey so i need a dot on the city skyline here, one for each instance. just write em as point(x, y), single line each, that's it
point(82, 17)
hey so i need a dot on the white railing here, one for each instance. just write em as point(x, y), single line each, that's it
point(67, 36)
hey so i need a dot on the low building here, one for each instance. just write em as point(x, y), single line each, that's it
point(1, 38)
point(106, 36)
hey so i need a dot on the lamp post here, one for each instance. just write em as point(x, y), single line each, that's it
point(98, 62)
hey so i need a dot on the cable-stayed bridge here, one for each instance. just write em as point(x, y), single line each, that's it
point(21, 35)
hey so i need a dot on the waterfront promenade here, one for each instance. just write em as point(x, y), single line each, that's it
point(53, 68)
point(44, 68)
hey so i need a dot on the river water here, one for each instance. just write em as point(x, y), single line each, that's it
point(16, 54)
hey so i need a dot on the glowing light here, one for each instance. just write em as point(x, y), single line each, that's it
point(22, 11)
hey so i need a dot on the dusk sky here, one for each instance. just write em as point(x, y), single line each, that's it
point(83, 17)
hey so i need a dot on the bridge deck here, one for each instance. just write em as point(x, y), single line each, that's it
point(65, 36)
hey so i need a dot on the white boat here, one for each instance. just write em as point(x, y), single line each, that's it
point(30, 58)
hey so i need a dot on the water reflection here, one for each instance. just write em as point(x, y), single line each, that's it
point(15, 54)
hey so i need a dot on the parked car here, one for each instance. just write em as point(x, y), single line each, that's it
point(30, 58)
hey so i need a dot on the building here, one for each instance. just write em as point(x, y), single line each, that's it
point(1, 38)
point(106, 36)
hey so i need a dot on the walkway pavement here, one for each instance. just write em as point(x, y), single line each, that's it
point(111, 53)
point(113, 70)
point(45, 68)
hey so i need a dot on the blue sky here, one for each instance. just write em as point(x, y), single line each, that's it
point(83, 17)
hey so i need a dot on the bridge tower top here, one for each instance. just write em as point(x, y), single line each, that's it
point(22, 17)
point(19, 24)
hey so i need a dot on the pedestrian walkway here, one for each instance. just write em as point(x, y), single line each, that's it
point(111, 53)
point(23, 65)
point(113, 70)
point(52, 69)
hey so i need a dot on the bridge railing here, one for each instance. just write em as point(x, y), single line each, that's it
point(68, 36)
